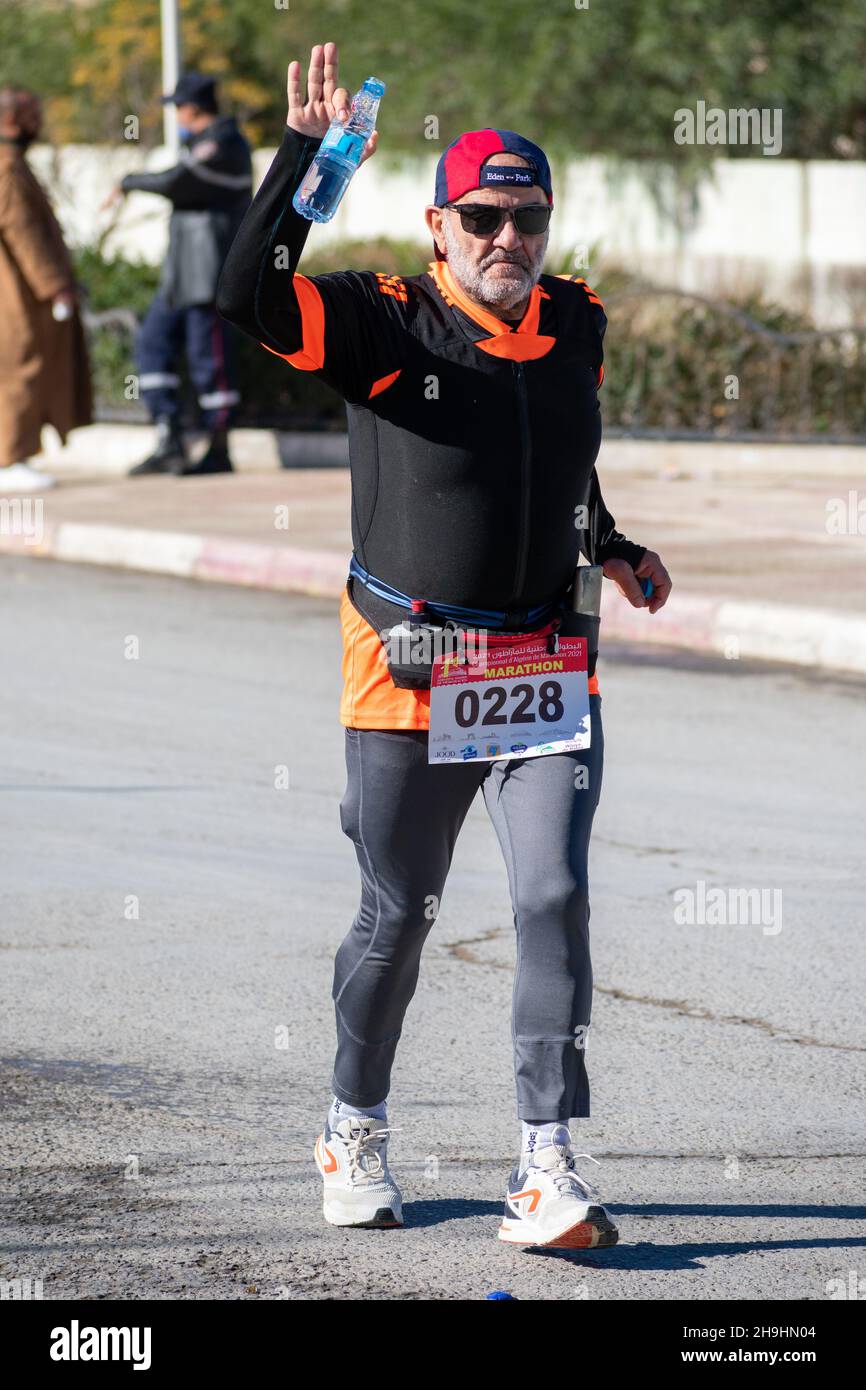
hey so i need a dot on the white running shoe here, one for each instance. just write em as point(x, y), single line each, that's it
point(549, 1203)
point(20, 477)
point(352, 1159)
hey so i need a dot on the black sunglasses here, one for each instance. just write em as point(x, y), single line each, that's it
point(484, 219)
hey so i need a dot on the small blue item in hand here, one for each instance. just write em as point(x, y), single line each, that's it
point(646, 587)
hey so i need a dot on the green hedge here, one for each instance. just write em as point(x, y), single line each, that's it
point(669, 360)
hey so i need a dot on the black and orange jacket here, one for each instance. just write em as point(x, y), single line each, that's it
point(472, 443)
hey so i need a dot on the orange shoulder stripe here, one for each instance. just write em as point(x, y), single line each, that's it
point(310, 357)
point(393, 285)
point(383, 383)
point(588, 290)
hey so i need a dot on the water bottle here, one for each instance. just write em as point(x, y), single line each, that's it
point(338, 156)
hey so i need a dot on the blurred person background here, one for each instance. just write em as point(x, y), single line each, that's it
point(44, 370)
point(210, 189)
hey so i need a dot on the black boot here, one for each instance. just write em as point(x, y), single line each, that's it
point(215, 460)
point(169, 456)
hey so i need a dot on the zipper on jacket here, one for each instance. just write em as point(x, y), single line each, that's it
point(525, 459)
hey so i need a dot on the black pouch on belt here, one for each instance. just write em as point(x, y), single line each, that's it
point(578, 612)
point(410, 648)
point(581, 625)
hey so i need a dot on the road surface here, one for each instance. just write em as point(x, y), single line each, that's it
point(170, 914)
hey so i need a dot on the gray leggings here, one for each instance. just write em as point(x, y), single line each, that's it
point(403, 816)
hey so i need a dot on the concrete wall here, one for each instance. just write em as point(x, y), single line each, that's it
point(795, 230)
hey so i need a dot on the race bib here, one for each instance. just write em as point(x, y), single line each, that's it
point(512, 701)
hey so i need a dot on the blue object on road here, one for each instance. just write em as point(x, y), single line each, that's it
point(338, 156)
point(646, 587)
point(500, 1293)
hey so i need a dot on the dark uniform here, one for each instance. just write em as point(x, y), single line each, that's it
point(210, 189)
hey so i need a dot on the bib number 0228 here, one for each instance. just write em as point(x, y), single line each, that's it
point(518, 700)
point(546, 698)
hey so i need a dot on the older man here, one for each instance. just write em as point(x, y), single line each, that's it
point(473, 432)
point(44, 372)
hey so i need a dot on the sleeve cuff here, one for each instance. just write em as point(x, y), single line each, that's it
point(623, 550)
point(294, 141)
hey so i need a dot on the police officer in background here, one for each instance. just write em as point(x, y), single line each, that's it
point(210, 189)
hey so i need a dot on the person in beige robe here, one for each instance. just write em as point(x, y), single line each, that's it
point(44, 368)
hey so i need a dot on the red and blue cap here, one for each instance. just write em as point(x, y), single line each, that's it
point(463, 166)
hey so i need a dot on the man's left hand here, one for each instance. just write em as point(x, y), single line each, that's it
point(626, 580)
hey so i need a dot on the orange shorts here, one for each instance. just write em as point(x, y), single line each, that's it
point(370, 699)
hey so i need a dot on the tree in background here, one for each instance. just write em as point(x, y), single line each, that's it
point(99, 63)
point(602, 80)
point(36, 43)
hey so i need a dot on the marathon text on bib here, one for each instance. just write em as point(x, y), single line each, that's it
point(516, 700)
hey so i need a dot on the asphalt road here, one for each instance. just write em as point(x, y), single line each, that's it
point(167, 910)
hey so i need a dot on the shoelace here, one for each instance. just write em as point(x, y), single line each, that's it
point(357, 1146)
point(564, 1176)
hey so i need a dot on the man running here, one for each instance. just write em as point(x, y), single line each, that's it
point(473, 432)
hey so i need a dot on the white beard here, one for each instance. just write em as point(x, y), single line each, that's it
point(495, 291)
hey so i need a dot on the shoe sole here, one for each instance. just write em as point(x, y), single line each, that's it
point(594, 1233)
point(383, 1219)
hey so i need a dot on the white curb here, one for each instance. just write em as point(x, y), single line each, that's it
point(764, 631)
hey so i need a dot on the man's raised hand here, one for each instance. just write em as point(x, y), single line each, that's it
point(311, 112)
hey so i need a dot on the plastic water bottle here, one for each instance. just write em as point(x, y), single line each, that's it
point(338, 156)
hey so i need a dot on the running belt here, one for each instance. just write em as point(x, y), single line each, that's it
point(484, 617)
